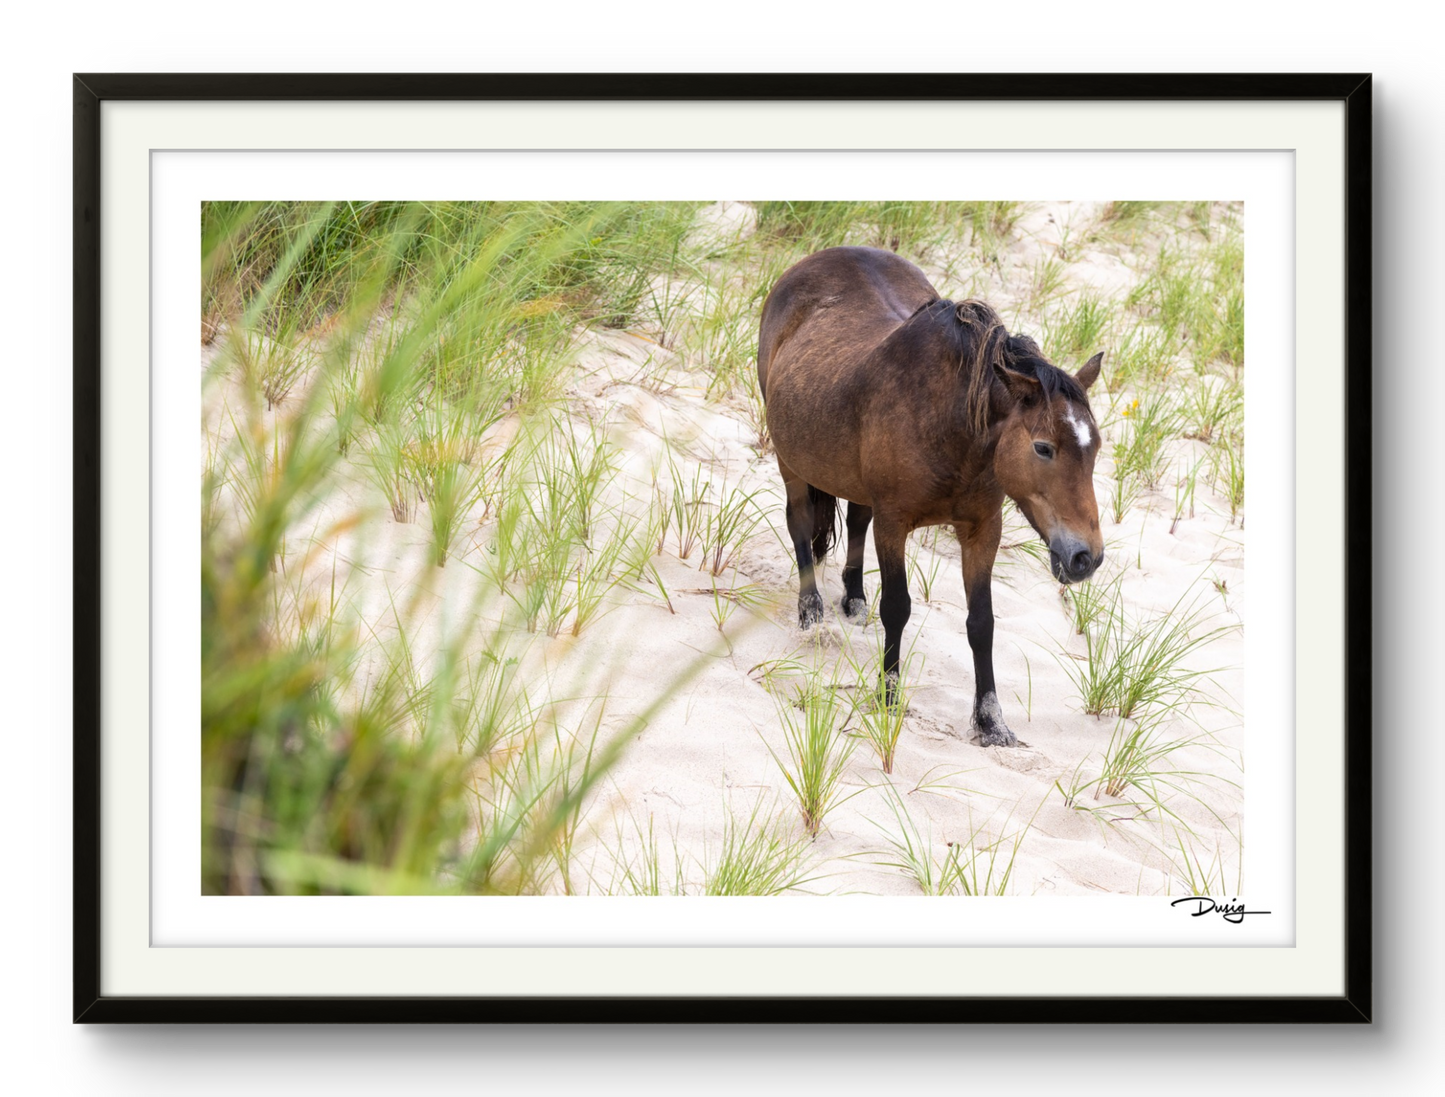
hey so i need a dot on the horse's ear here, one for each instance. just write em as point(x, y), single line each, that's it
point(1089, 373)
point(1021, 386)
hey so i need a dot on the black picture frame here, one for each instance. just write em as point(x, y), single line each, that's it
point(91, 90)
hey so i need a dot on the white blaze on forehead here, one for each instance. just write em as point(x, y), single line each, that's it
point(1081, 428)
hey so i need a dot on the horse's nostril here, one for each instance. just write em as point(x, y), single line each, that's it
point(1081, 562)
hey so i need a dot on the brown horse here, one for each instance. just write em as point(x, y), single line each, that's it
point(920, 412)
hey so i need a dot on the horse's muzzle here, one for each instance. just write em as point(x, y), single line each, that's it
point(1071, 561)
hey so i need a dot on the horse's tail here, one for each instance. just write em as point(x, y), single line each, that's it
point(825, 521)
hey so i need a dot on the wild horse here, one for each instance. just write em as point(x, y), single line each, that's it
point(920, 411)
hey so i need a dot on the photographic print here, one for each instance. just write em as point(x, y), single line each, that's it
point(723, 548)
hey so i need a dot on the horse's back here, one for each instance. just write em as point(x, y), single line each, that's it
point(821, 323)
point(836, 305)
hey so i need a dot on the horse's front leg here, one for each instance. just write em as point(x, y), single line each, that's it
point(894, 605)
point(980, 546)
point(855, 602)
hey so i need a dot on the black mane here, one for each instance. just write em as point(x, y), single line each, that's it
point(1022, 355)
point(983, 345)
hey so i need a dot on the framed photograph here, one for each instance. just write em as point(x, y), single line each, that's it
point(722, 548)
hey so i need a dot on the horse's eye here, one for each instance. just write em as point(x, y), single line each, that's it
point(1043, 449)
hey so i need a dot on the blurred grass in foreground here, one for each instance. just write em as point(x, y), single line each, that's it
point(345, 325)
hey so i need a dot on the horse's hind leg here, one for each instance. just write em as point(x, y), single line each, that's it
point(855, 602)
point(800, 530)
point(980, 546)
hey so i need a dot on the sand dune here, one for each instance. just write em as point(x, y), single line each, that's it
point(710, 753)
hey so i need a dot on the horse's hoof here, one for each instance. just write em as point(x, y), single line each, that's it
point(998, 737)
point(810, 609)
point(988, 724)
point(855, 608)
point(891, 697)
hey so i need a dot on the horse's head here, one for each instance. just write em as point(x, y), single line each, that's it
point(1044, 459)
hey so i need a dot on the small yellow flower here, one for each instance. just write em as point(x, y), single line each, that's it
point(1131, 409)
